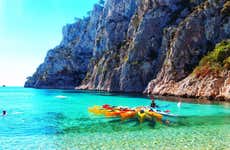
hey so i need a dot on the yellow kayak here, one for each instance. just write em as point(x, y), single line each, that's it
point(155, 115)
point(141, 116)
point(94, 108)
point(97, 110)
point(141, 113)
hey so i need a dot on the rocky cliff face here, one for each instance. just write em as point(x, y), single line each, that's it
point(65, 66)
point(129, 45)
point(194, 37)
point(211, 79)
point(138, 56)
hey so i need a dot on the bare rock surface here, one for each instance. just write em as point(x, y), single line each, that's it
point(140, 45)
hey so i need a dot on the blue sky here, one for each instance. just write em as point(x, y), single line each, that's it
point(28, 29)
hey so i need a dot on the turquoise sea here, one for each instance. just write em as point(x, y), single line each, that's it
point(59, 119)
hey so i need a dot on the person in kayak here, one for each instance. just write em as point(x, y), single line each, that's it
point(153, 104)
point(3, 113)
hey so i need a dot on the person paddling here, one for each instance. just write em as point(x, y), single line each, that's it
point(3, 113)
point(153, 104)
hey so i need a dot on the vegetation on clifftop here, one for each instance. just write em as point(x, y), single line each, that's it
point(215, 61)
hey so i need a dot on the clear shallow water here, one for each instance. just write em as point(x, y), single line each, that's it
point(57, 119)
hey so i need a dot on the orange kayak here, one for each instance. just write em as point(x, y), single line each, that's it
point(127, 115)
point(112, 113)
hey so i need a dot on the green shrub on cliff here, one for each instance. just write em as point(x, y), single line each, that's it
point(227, 63)
point(218, 55)
point(136, 21)
point(215, 61)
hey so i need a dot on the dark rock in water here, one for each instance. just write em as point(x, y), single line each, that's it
point(3, 85)
point(129, 45)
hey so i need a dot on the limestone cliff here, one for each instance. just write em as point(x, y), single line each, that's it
point(65, 66)
point(128, 45)
point(207, 25)
point(211, 79)
point(137, 58)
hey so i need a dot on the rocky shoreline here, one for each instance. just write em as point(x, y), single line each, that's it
point(141, 45)
point(202, 88)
